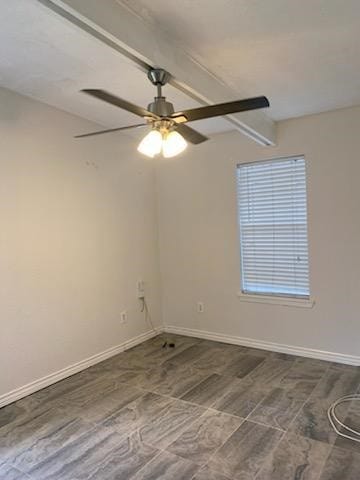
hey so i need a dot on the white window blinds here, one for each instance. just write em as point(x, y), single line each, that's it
point(273, 227)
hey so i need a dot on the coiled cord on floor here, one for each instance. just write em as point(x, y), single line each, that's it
point(337, 424)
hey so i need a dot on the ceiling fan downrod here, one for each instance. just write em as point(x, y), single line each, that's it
point(160, 106)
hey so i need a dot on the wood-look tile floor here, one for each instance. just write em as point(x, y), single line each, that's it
point(202, 411)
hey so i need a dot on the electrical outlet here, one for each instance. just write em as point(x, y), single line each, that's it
point(123, 317)
point(200, 307)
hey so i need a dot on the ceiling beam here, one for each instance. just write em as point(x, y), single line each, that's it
point(115, 24)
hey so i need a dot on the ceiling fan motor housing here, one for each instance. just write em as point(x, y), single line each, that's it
point(161, 107)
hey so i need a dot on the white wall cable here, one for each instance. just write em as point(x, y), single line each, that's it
point(336, 423)
point(144, 308)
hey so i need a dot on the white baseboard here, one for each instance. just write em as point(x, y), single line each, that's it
point(275, 347)
point(43, 382)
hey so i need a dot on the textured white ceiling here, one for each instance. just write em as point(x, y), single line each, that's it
point(47, 58)
point(303, 54)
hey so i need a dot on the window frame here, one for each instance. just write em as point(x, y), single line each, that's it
point(275, 298)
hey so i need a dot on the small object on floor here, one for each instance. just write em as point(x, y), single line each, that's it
point(170, 345)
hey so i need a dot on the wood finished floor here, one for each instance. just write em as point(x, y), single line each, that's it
point(202, 411)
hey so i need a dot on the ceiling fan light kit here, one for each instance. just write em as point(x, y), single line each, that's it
point(162, 139)
point(169, 134)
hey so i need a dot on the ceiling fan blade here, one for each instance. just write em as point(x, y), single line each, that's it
point(119, 102)
point(190, 134)
point(220, 109)
point(109, 130)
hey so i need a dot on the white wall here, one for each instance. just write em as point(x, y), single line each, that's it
point(199, 236)
point(78, 227)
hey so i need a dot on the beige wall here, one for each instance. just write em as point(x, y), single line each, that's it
point(199, 236)
point(78, 228)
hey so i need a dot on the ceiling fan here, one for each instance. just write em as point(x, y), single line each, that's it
point(169, 133)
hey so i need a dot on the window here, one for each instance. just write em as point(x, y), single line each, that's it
point(273, 227)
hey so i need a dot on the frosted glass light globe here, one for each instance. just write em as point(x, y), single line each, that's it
point(173, 144)
point(151, 144)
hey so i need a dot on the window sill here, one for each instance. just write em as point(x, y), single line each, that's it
point(273, 300)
